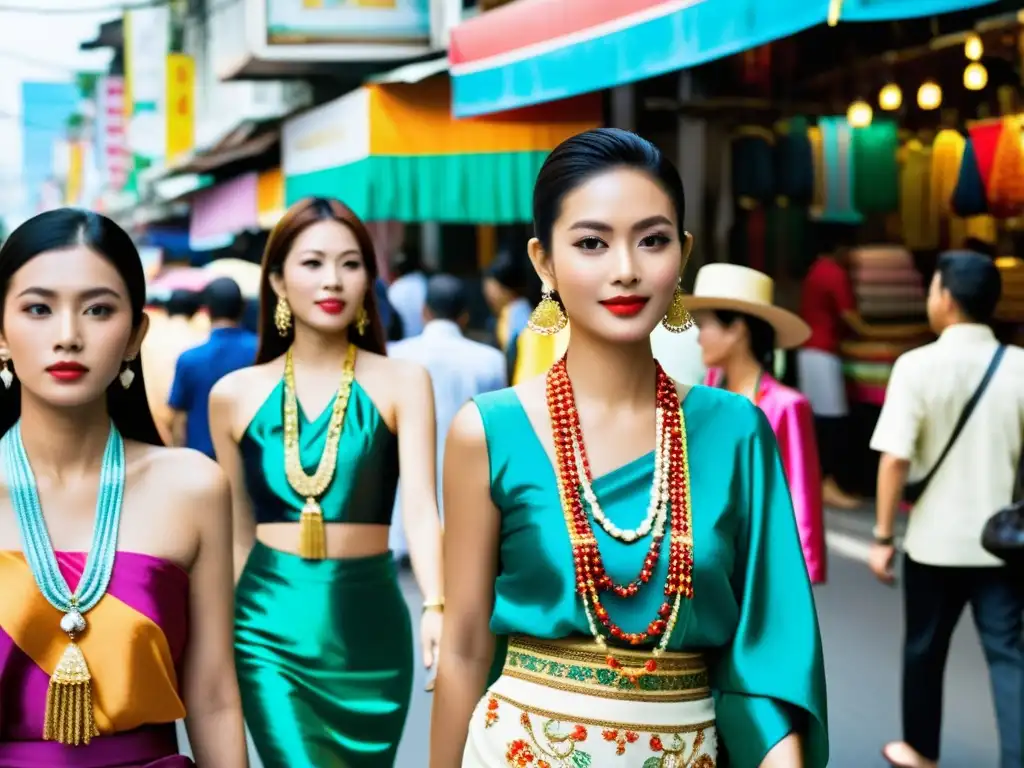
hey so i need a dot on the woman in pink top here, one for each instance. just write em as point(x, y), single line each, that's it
point(740, 329)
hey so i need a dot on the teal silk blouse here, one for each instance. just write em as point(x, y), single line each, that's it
point(366, 476)
point(753, 611)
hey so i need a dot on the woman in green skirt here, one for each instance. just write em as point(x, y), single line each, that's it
point(311, 437)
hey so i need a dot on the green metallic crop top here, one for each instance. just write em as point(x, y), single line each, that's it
point(365, 480)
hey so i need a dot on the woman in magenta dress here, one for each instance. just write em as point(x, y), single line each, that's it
point(740, 329)
point(101, 653)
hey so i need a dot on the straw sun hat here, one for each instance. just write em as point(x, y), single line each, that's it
point(741, 289)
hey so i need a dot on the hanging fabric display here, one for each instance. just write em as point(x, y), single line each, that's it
point(969, 196)
point(947, 157)
point(753, 168)
point(837, 153)
point(1006, 182)
point(814, 137)
point(917, 206)
point(794, 163)
point(985, 139)
point(876, 187)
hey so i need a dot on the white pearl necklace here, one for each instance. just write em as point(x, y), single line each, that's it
point(657, 510)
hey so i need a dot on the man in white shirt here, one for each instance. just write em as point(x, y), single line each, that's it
point(945, 567)
point(460, 368)
point(408, 292)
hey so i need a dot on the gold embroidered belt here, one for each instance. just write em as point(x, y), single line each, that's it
point(581, 666)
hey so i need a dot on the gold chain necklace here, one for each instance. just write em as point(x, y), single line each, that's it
point(312, 537)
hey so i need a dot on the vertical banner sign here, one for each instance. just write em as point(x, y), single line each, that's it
point(181, 116)
point(147, 41)
point(114, 159)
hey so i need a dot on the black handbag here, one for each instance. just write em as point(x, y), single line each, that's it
point(1003, 535)
point(915, 490)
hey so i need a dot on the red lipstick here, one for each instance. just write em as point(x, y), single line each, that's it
point(67, 371)
point(331, 306)
point(625, 306)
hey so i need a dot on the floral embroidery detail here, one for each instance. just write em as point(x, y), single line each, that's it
point(491, 715)
point(579, 733)
point(674, 753)
point(621, 739)
point(519, 754)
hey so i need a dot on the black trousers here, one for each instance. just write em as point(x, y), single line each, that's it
point(934, 599)
point(831, 432)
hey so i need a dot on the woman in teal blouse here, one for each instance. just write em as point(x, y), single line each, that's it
point(311, 438)
point(652, 606)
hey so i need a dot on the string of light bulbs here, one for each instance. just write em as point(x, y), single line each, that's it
point(929, 93)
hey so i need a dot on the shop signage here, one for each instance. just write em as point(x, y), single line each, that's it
point(329, 136)
point(291, 22)
point(180, 106)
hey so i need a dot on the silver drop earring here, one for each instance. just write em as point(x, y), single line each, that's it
point(127, 376)
point(6, 375)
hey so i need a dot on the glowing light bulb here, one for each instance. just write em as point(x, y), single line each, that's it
point(859, 114)
point(975, 76)
point(929, 95)
point(973, 47)
point(890, 98)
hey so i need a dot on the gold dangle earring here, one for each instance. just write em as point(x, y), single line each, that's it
point(127, 376)
point(548, 318)
point(282, 316)
point(362, 321)
point(678, 318)
point(6, 374)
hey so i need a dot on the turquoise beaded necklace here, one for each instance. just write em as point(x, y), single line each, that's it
point(69, 713)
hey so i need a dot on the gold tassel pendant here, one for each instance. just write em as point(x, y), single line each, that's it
point(312, 536)
point(69, 715)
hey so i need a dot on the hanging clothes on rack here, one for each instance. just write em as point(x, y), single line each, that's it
point(918, 211)
point(839, 167)
point(1006, 182)
point(876, 174)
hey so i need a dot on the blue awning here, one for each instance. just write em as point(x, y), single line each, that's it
point(534, 51)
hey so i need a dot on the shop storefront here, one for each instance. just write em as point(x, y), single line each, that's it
point(221, 212)
point(395, 153)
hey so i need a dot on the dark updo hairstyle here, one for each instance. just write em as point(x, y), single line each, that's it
point(302, 215)
point(578, 159)
point(65, 228)
point(761, 334)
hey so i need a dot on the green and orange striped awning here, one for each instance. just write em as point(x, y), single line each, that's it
point(394, 152)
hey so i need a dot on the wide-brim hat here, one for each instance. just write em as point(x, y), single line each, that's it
point(741, 289)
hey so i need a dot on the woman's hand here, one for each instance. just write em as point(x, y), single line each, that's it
point(431, 625)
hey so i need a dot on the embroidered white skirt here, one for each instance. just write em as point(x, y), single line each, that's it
point(558, 704)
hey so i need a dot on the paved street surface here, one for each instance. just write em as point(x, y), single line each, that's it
point(861, 626)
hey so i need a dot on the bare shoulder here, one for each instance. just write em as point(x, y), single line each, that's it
point(397, 370)
point(466, 433)
point(236, 397)
point(191, 478)
point(232, 386)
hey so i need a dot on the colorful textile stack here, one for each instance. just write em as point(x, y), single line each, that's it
point(888, 288)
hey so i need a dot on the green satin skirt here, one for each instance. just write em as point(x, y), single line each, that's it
point(324, 655)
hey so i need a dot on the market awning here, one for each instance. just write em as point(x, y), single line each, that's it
point(394, 152)
point(533, 51)
point(890, 10)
